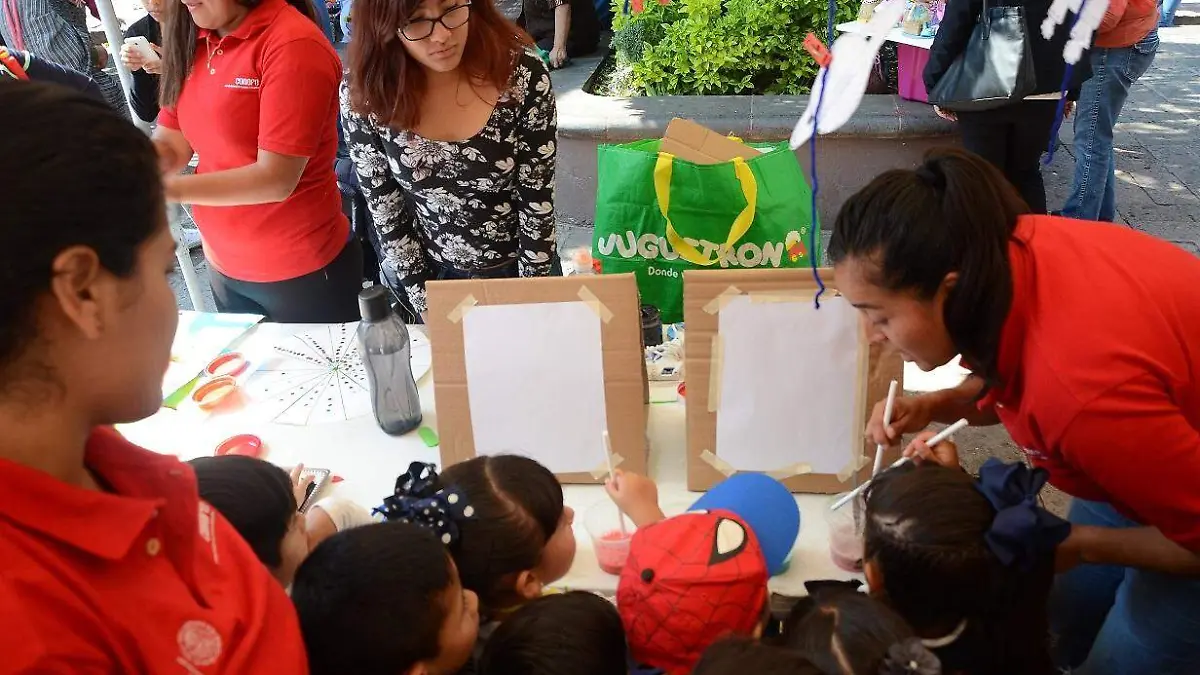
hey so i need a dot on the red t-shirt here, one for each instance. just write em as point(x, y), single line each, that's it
point(271, 84)
point(143, 579)
point(1100, 360)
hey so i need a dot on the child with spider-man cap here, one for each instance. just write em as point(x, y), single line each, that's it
point(702, 575)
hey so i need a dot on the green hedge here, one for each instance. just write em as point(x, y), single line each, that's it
point(721, 46)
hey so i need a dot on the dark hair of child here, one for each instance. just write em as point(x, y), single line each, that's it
point(844, 632)
point(255, 496)
point(743, 656)
point(518, 504)
point(925, 535)
point(370, 600)
point(577, 632)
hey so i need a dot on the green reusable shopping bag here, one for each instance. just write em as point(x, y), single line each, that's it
point(657, 215)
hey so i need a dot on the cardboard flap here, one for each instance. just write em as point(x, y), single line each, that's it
point(706, 294)
point(698, 144)
point(612, 298)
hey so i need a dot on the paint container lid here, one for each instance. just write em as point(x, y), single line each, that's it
point(242, 444)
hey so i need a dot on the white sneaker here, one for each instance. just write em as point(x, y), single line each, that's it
point(189, 237)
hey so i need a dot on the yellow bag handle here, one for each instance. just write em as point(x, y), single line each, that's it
point(741, 224)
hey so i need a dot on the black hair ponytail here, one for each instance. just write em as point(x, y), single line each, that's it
point(954, 213)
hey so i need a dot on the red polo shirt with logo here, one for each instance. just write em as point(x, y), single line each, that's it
point(143, 579)
point(270, 84)
point(1100, 365)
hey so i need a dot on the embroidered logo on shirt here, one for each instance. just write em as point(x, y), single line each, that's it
point(245, 83)
point(199, 643)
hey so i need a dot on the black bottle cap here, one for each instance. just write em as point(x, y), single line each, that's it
point(374, 304)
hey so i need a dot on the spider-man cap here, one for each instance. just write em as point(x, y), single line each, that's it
point(766, 505)
point(689, 581)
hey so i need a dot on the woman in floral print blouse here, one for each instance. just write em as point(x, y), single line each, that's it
point(450, 122)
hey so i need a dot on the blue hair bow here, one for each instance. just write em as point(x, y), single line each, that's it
point(419, 499)
point(1022, 531)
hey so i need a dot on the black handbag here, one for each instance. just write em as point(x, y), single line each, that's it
point(995, 70)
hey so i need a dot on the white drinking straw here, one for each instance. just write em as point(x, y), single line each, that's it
point(941, 436)
point(612, 476)
point(887, 420)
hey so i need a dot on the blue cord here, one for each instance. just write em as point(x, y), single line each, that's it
point(812, 150)
point(1060, 114)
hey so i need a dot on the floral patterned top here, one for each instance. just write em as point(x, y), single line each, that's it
point(468, 205)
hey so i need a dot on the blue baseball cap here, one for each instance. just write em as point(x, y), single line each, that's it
point(766, 505)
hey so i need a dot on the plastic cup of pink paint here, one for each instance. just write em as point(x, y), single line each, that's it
point(611, 544)
point(846, 535)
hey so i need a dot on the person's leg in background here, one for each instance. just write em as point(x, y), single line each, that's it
point(1114, 71)
point(994, 135)
point(1166, 13)
point(1110, 620)
point(1029, 138)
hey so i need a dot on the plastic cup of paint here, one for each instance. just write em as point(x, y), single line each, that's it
point(230, 364)
point(214, 393)
point(845, 535)
point(611, 544)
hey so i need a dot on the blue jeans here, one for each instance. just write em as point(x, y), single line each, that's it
point(1112, 620)
point(1166, 10)
point(1093, 193)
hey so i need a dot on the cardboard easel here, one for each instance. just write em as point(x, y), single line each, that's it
point(706, 293)
point(613, 298)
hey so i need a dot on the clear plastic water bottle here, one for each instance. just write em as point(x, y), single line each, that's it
point(387, 356)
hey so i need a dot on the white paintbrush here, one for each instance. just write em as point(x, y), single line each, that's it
point(612, 476)
point(942, 436)
point(887, 419)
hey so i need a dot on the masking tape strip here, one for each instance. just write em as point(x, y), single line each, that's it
point(798, 469)
point(850, 469)
point(718, 303)
point(602, 470)
point(598, 307)
point(714, 373)
point(462, 308)
point(724, 468)
point(783, 295)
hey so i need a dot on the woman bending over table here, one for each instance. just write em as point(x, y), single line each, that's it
point(251, 85)
point(111, 564)
point(1084, 341)
point(450, 121)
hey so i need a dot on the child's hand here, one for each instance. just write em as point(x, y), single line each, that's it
point(636, 495)
point(944, 453)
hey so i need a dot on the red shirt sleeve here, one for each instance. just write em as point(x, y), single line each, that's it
point(299, 97)
point(1136, 444)
point(167, 118)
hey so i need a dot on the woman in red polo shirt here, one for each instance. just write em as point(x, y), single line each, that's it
point(251, 86)
point(1084, 340)
point(109, 562)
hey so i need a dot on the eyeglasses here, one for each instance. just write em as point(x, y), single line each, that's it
point(420, 29)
